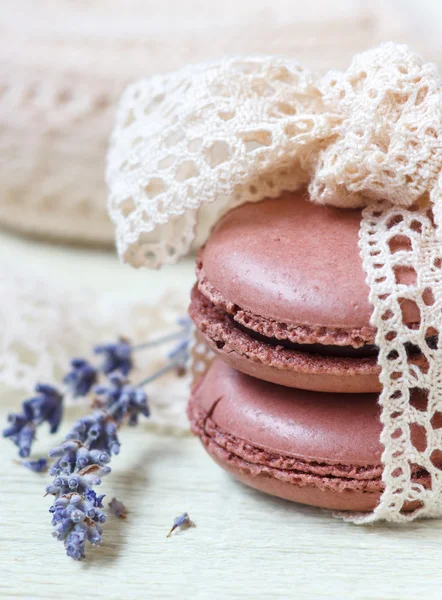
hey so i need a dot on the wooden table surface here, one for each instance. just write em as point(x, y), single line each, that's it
point(245, 545)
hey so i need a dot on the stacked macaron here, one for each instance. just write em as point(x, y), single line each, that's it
point(290, 404)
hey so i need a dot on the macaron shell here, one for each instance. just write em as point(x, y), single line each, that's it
point(296, 334)
point(292, 261)
point(325, 428)
point(317, 449)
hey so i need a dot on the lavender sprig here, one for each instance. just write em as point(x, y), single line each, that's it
point(82, 462)
point(46, 405)
point(82, 459)
point(79, 381)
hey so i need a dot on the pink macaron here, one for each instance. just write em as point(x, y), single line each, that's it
point(281, 295)
point(309, 447)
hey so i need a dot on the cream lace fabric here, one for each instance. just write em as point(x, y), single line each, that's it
point(44, 325)
point(64, 64)
point(392, 241)
point(189, 146)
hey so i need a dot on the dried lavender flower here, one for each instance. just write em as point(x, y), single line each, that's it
point(183, 522)
point(118, 509)
point(47, 405)
point(82, 461)
point(74, 455)
point(76, 519)
point(116, 357)
point(38, 466)
point(81, 378)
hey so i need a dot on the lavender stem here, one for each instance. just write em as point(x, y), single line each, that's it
point(162, 340)
point(169, 367)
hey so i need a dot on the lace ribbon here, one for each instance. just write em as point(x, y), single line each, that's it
point(191, 145)
point(394, 242)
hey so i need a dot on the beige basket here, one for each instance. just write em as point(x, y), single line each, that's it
point(63, 65)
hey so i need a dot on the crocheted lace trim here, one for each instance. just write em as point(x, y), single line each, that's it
point(189, 146)
point(394, 242)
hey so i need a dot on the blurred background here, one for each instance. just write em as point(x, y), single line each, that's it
point(64, 63)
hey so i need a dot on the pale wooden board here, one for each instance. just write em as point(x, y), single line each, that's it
point(245, 545)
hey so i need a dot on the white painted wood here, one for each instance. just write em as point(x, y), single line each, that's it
point(245, 545)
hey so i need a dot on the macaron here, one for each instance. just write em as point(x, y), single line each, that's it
point(281, 295)
point(320, 449)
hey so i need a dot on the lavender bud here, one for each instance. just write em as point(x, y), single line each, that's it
point(17, 422)
point(76, 499)
point(113, 445)
point(45, 406)
point(56, 468)
point(54, 419)
point(100, 516)
point(116, 357)
point(94, 536)
point(26, 437)
point(67, 462)
point(74, 482)
point(38, 466)
point(81, 378)
point(99, 457)
point(181, 521)
point(62, 528)
point(69, 446)
point(77, 516)
point(118, 508)
point(180, 352)
point(75, 546)
point(82, 458)
point(94, 432)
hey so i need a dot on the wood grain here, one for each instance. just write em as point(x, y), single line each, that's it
point(245, 545)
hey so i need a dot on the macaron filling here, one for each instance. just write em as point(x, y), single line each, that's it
point(227, 448)
point(365, 351)
point(283, 336)
point(225, 336)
